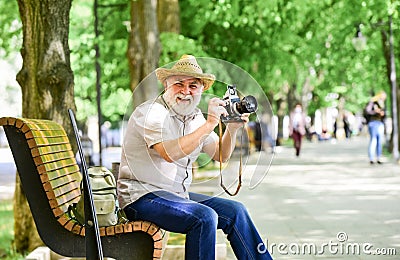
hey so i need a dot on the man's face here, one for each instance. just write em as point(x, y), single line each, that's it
point(183, 93)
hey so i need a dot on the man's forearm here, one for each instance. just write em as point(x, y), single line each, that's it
point(176, 149)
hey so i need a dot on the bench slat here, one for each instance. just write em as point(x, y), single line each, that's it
point(45, 133)
point(53, 157)
point(65, 200)
point(42, 124)
point(41, 141)
point(43, 150)
point(67, 170)
point(62, 181)
point(58, 166)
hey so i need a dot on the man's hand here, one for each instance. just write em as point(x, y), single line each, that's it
point(236, 125)
point(215, 110)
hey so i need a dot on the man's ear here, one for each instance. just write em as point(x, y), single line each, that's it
point(164, 85)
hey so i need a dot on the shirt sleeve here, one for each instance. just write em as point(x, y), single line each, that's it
point(151, 123)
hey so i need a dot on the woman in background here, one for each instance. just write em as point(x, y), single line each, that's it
point(297, 126)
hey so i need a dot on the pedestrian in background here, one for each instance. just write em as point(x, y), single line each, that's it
point(376, 112)
point(297, 126)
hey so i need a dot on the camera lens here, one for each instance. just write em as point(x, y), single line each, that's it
point(247, 105)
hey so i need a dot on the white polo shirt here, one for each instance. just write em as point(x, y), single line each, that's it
point(142, 169)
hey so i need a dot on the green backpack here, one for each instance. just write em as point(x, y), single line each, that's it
point(104, 192)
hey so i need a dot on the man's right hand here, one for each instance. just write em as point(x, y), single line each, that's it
point(215, 110)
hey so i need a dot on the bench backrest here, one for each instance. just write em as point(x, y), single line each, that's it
point(54, 159)
point(51, 178)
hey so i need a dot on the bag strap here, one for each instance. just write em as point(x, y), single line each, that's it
point(220, 164)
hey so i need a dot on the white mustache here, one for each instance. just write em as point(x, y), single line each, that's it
point(184, 97)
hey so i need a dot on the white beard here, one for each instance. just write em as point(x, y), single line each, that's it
point(182, 104)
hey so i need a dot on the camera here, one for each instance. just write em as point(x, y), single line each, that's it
point(236, 107)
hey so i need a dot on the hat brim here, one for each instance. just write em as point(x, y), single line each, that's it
point(163, 73)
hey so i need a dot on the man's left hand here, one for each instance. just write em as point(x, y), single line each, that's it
point(237, 125)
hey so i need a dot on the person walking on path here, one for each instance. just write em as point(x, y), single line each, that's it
point(297, 126)
point(376, 112)
point(163, 138)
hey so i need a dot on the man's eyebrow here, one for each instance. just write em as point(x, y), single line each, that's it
point(196, 80)
point(190, 81)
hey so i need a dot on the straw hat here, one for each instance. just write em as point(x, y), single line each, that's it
point(187, 65)
point(380, 96)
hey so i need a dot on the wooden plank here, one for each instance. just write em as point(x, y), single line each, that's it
point(41, 124)
point(11, 121)
point(64, 180)
point(145, 226)
point(159, 235)
point(110, 231)
point(63, 220)
point(77, 229)
point(69, 225)
point(19, 123)
point(45, 133)
point(43, 150)
point(137, 226)
point(60, 191)
point(72, 170)
point(3, 121)
point(102, 231)
point(82, 231)
point(44, 141)
point(58, 212)
point(43, 176)
point(128, 227)
point(67, 199)
point(25, 128)
point(119, 229)
point(157, 252)
point(61, 166)
point(53, 157)
point(153, 229)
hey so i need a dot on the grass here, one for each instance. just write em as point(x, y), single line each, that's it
point(176, 239)
point(7, 232)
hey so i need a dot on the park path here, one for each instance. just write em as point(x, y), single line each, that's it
point(330, 199)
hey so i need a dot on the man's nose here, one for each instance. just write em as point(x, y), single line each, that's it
point(186, 90)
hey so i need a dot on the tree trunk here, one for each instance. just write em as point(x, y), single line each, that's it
point(168, 16)
point(47, 84)
point(143, 48)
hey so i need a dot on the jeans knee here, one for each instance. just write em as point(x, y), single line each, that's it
point(210, 218)
point(239, 207)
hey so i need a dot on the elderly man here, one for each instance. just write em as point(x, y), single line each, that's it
point(163, 138)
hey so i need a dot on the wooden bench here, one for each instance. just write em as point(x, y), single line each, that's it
point(50, 179)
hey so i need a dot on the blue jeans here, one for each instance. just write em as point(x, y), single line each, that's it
point(376, 131)
point(198, 218)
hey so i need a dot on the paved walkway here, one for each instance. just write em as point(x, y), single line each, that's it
point(328, 203)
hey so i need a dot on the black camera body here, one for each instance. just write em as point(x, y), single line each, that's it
point(236, 107)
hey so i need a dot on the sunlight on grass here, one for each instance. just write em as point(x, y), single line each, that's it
point(176, 239)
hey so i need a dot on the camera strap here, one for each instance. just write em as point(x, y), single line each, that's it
point(220, 163)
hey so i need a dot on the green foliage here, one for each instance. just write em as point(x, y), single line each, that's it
point(284, 45)
point(10, 28)
point(112, 41)
point(290, 42)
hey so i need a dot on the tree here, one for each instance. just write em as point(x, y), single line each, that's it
point(47, 84)
point(143, 47)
